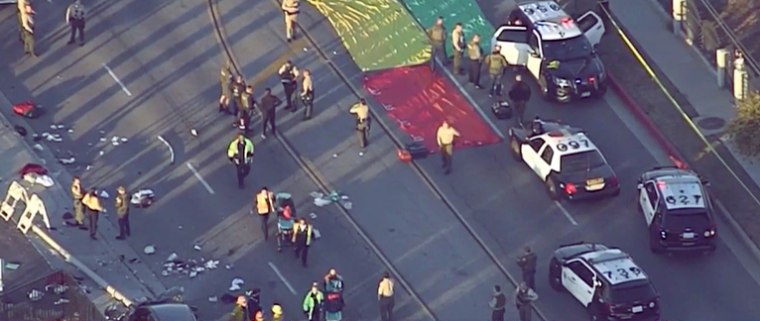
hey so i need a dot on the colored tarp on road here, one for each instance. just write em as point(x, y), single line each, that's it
point(379, 34)
point(465, 11)
point(419, 100)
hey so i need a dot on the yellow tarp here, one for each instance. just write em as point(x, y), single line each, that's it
point(379, 34)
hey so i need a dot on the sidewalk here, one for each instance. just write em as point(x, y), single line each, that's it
point(710, 107)
point(111, 265)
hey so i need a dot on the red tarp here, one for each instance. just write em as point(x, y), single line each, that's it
point(419, 100)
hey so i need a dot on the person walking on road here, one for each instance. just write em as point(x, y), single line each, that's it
point(437, 34)
point(267, 107)
point(288, 77)
point(290, 9)
point(75, 17)
point(361, 110)
point(498, 304)
point(238, 87)
point(496, 65)
point(77, 193)
point(264, 206)
point(27, 28)
point(475, 56)
point(524, 298)
point(92, 202)
point(225, 78)
point(445, 138)
point(519, 94)
point(240, 153)
point(312, 303)
point(527, 264)
point(333, 282)
point(385, 297)
point(459, 43)
point(302, 234)
point(122, 212)
point(307, 94)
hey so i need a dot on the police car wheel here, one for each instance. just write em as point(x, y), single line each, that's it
point(601, 91)
point(654, 243)
point(593, 312)
point(515, 147)
point(551, 188)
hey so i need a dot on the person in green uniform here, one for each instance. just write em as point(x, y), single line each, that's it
point(459, 44)
point(312, 303)
point(496, 65)
point(240, 152)
point(225, 78)
point(437, 34)
point(122, 212)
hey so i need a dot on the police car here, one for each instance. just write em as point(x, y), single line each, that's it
point(606, 281)
point(558, 51)
point(677, 210)
point(565, 159)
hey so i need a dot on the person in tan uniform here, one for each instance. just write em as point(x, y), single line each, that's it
point(307, 94)
point(437, 34)
point(445, 137)
point(27, 28)
point(92, 201)
point(225, 79)
point(290, 9)
point(475, 55)
point(459, 44)
point(385, 297)
point(122, 212)
point(77, 193)
point(361, 110)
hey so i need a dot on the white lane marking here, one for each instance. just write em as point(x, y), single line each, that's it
point(282, 278)
point(566, 213)
point(200, 178)
point(469, 98)
point(113, 75)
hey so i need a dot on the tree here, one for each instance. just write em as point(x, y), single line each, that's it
point(744, 129)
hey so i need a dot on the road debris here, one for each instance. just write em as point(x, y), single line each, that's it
point(52, 137)
point(11, 266)
point(171, 149)
point(313, 215)
point(35, 178)
point(150, 249)
point(143, 198)
point(197, 247)
point(172, 257)
point(213, 299)
point(20, 130)
point(237, 284)
point(194, 132)
point(104, 194)
point(35, 295)
point(67, 161)
point(334, 197)
point(61, 301)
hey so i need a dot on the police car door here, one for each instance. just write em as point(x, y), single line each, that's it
point(514, 44)
point(535, 54)
point(592, 26)
point(579, 280)
point(648, 200)
point(531, 151)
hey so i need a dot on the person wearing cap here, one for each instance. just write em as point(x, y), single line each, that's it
point(240, 152)
point(77, 193)
point(122, 212)
point(385, 297)
point(498, 304)
point(527, 264)
point(361, 110)
point(277, 313)
point(312, 303)
point(92, 202)
point(302, 233)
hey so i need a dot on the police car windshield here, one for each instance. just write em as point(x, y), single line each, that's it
point(581, 162)
point(567, 49)
point(629, 294)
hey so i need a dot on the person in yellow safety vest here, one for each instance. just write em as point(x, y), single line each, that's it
point(445, 138)
point(265, 206)
point(290, 9)
point(277, 313)
point(312, 303)
point(240, 153)
point(302, 233)
point(92, 202)
point(361, 110)
point(77, 195)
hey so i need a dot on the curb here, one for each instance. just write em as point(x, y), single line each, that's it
point(49, 241)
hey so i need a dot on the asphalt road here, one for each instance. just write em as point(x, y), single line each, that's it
point(166, 55)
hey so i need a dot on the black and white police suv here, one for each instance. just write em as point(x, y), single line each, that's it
point(677, 209)
point(565, 159)
point(558, 51)
point(606, 281)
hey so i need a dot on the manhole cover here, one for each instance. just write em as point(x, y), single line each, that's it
point(711, 123)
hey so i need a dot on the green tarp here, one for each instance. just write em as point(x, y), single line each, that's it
point(379, 34)
point(465, 11)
